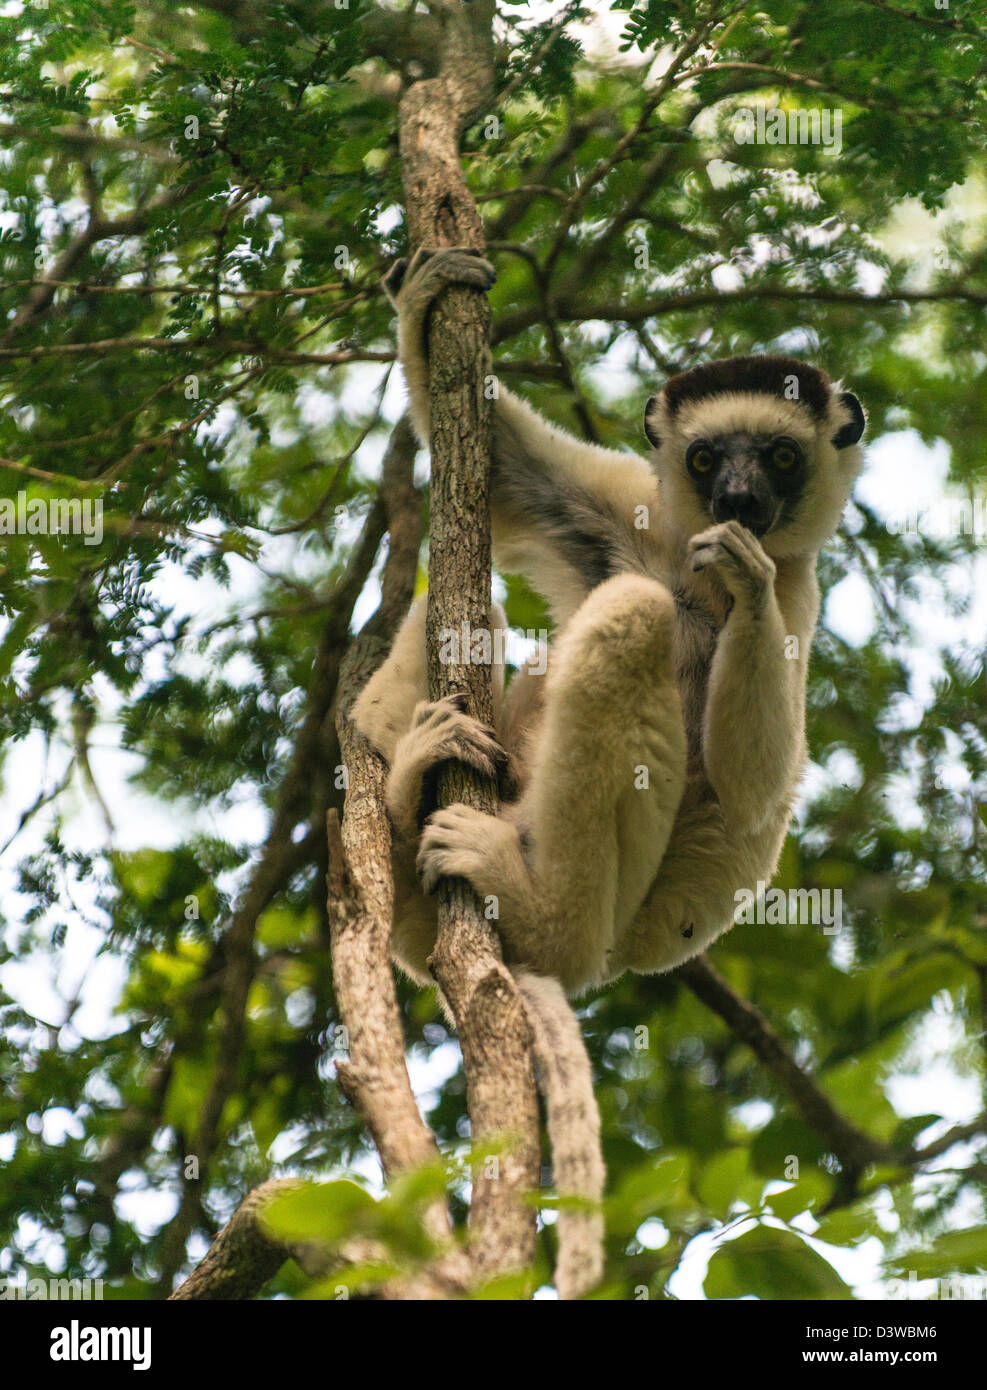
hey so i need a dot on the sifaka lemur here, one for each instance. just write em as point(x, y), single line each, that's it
point(657, 759)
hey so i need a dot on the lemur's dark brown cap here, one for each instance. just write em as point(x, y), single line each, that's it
point(769, 376)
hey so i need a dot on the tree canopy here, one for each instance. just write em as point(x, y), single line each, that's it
point(198, 203)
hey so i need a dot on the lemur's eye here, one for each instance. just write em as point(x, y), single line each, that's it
point(702, 460)
point(784, 455)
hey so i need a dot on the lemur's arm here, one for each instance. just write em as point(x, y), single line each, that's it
point(754, 728)
point(564, 512)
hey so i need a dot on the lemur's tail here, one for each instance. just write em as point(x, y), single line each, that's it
point(573, 1128)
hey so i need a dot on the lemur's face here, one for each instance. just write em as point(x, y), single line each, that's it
point(755, 479)
point(766, 441)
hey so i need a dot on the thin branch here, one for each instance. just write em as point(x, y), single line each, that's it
point(44, 798)
point(535, 190)
point(338, 466)
point(635, 311)
point(623, 146)
point(279, 857)
point(565, 372)
point(573, 137)
point(360, 888)
point(959, 26)
point(852, 1146)
point(88, 287)
point(534, 59)
point(958, 1134)
point(97, 229)
point(84, 138)
point(207, 343)
point(798, 79)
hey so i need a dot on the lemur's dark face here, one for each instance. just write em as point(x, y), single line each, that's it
point(753, 479)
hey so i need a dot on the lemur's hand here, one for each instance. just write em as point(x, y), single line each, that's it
point(412, 287)
point(414, 284)
point(736, 554)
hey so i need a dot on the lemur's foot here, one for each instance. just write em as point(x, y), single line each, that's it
point(440, 732)
point(431, 270)
point(454, 734)
point(460, 842)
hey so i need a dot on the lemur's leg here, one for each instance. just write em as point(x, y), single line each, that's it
point(571, 863)
point(754, 727)
point(384, 708)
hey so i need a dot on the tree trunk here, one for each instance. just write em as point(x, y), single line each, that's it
point(481, 992)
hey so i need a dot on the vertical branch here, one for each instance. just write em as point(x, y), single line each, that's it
point(244, 1255)
point(490, 1018)
point(360, 887)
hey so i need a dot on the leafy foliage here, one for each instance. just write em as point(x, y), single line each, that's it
point(198, 204)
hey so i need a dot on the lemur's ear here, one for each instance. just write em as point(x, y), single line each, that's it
point(652, 416)
point(850, 432)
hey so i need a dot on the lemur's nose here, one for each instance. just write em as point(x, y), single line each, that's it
point(739, 504)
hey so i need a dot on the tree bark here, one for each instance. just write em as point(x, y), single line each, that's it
point(493, 1029)
point(360, 887)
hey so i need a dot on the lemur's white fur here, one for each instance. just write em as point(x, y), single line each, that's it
point(659, 756)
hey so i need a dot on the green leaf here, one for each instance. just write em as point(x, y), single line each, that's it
point(720, 1179)
point(848, 1227)
point(956, 1252)
point(646, 1191)
point(770, 1264)
point(321, 1212)
point(909, 1130)
point(809, 1192)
